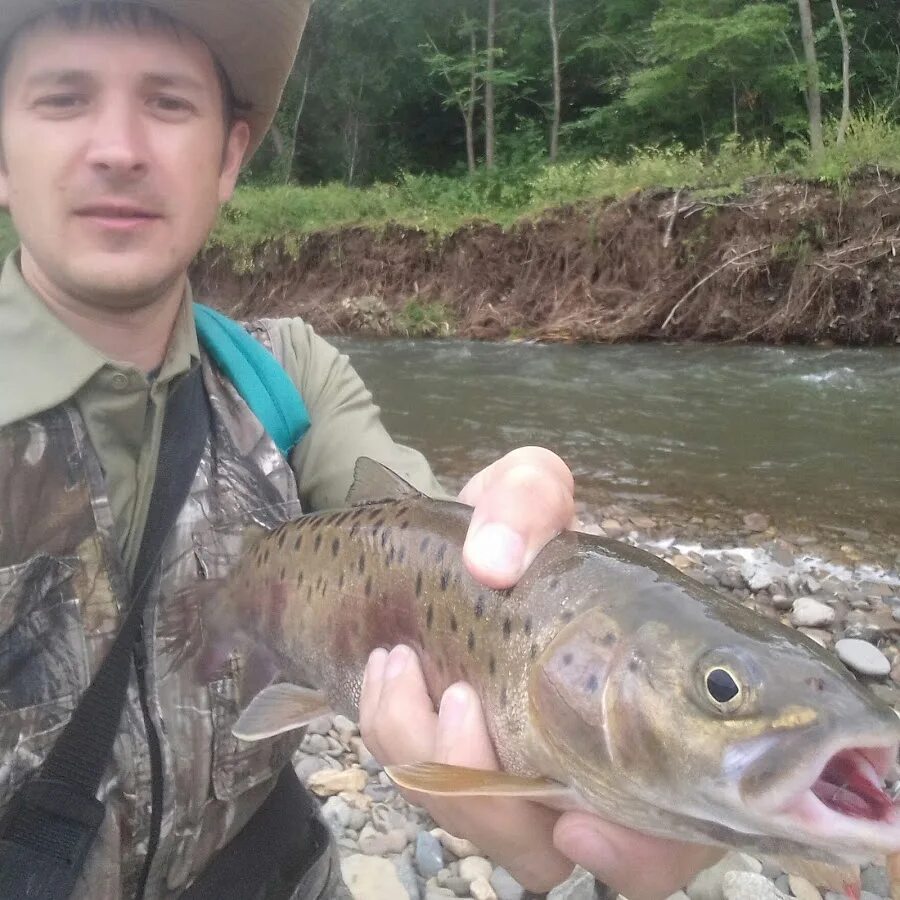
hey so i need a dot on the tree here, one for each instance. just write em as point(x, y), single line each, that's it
point(813, 87)
point(845, 73)
point(557, 90)
point(490, 133)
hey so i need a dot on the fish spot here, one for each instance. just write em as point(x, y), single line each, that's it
point(282, 537)
point(533, 651)
point(319, 583)
point(471, 641)
point(553, 583)
point(265, 556)
point(418, 585)
point(368, 588)
point(503, 695)
point(527, 626)
point(317, 543)
point(479, 606)
point(361, 565)
point(282, 573)
point(335, 547)
point(567, 616)
point(378, 521)
point(507, 628)
point(309, 592)
point(453, 623)
point(442, 551)
point(401, 555)
point(324, 586)
point(492, 665)
point(817, 684)
point(608, 639)
point(424, 545)
point(341, 581)
point(389, 559)
point(404, 525)
point(342, 518)
point(299, 541)
point(385, 535)
point(592, 684)
point(567, 659)
point(429, 616)
point(445, 579)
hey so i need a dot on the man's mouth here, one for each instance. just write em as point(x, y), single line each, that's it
point(117, 217)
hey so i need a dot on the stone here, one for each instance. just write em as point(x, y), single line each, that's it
point(756, 522)
point(371, 878)
point(708, 884)
point(481, 889)
point(333, 781)
point(863, 657)
point(336, 813)
point(505, 886)
point(459, 847)
point(822, 637)
point(473, 867)
point(782, 602)
point(345, 728)
point(580, 885)
point(363, 754)
point(372, 842)
point(308, 765)
point(811, 613)
point(314, 743)
point(320, 725)
point(459, 886)
point(429, 854)
point(875, 880)
point(749, 886)
point(406, 875)
point(803, 889)
point(612, 528)
point(396, 840)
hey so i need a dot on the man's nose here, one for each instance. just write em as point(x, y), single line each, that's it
point(118, 141)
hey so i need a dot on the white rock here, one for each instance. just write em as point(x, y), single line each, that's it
point(321, 725)
point(336, 812)
point(473, 867)
point(372, 842)
point(862, 656)
point(580, 885)
point(750, 886)
point(803, 889)
point(459, 847)
point(506, 887)
point(371, 878)
point(708, 884)
point(481, 889)
point(811, 613)
point(345, 728)
point(332, 781)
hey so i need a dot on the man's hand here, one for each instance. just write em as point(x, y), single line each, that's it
point(521, 501)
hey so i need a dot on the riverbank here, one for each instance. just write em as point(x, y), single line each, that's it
point(391, 849)
point(774, 261)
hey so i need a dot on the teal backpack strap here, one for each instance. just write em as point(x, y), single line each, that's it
point(257, 376)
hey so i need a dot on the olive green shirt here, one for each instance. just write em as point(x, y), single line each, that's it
point(44, 363)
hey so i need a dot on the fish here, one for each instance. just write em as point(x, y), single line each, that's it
point(611, 681)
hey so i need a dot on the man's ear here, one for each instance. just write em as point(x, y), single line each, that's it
point(235, 147)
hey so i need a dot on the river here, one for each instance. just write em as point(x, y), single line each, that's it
point(806, 436)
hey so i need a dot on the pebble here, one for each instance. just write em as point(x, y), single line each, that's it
point(708, 884)
point(756, 522)
point(580, 885)
point(803, 889)
point(406, 874)
point(372, 842)
point(473, 867)
point(372, 878)
point(337, 813)
point(750, 886)
point(332, 781)
point(863, 657)
point(875, 880)
point(481, 889)
point(505, 886)
point(320, 725)
point(459, 847)
point(811, 613)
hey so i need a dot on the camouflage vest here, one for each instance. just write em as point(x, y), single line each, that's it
point(63, 588)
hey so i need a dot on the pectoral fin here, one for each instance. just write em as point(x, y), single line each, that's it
point(279, 708)
point(436, 778)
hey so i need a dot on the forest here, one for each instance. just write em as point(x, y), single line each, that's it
point(387, 87)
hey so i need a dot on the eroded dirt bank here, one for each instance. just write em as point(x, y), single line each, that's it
point(781, 262)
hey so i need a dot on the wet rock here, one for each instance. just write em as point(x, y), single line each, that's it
point(320, 725)
point(612, 528)
point(336, 813)
point(863, 657)
point(579, 885)
point(372, 842)
point(306, 766)
point(459, 847)
point(473, 867)
point(750, 886)
point(708, 884)
point(756, 522)
point(429, 854)
point(371, 878)
point(875, 880)
point(782, 602)
point(481, 889)
point(810, 613)
point(819, 635)
point(406, 875)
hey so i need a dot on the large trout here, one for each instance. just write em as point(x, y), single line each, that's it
point(610, 681)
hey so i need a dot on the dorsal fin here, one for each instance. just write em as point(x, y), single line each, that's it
point(373, 482)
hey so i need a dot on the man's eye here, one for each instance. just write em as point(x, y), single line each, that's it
point(60, 101)
point(172, 104)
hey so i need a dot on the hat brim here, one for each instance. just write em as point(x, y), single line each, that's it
point(255, 42)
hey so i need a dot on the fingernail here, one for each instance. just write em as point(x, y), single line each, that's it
point(397, 661)
point(454, 706)
point(498, 548)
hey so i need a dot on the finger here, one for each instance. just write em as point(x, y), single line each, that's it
point(636, 865)
point(370, 694)
point(400, 725)
point(521, 509)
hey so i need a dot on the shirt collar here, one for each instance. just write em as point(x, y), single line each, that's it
point(49, 362)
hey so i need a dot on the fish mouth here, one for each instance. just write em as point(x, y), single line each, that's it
point(840, 799)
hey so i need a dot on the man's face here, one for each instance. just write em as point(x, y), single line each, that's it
point(113, 142)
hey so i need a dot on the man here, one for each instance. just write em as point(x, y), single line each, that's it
point(122, 130)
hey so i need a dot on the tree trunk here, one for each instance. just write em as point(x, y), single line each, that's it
point(845, 48)
point(813, 95)
point(469, 112)
point(734, 107)
point(557, 90)
point(489, 133)
point(292, 148)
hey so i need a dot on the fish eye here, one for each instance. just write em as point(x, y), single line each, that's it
point(723, 688)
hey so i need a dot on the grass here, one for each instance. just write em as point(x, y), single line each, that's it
point(441, 204)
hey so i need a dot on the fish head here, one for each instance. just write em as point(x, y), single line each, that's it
point(726, 726)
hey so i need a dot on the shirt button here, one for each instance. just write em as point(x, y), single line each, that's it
point(120, 381)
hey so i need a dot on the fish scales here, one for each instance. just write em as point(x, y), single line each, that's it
point(610, 680)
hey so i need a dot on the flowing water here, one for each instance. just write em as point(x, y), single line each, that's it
point(807, 436)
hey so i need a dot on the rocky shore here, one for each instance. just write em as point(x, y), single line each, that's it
point(840, 589)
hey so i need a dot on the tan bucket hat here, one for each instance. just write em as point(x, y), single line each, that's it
point(255, 42)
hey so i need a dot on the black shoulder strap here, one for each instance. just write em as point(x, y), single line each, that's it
point(53, 819)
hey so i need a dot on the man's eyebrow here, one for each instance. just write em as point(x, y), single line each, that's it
point(79, 76)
